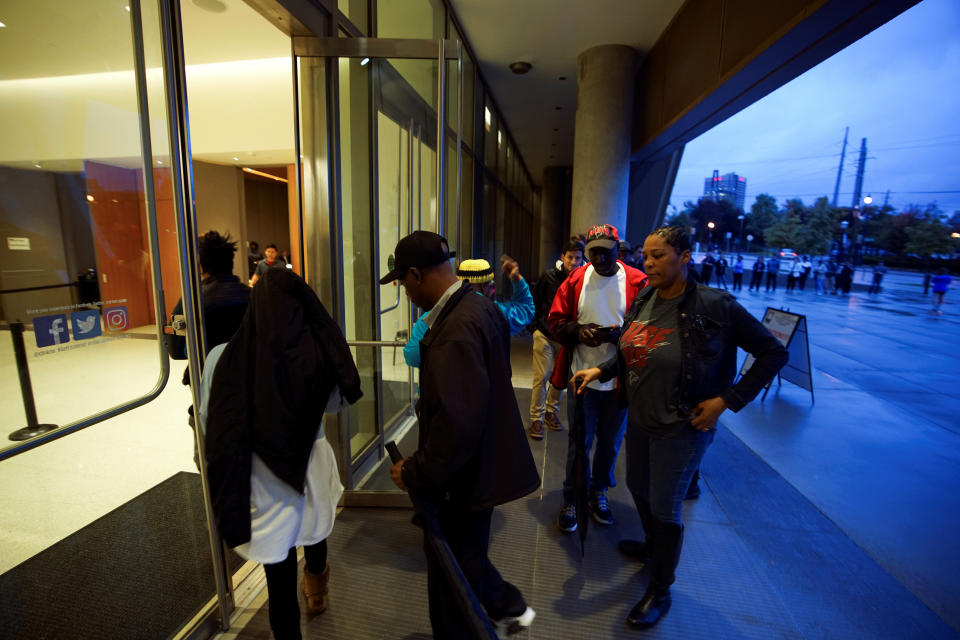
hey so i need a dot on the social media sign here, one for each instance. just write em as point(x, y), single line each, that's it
point(116, 319)
point(86, 324)
point(51, 330)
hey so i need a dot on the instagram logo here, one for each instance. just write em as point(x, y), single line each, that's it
point(116, 319)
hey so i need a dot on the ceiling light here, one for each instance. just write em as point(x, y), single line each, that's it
point(562, 78)
point(127, 8)
point(236, 159)
point(558, 108)
point(520, 67)
point(2, 25)
point(160, 162)
point(37, 165)
point(89, 198)
point(364, 62)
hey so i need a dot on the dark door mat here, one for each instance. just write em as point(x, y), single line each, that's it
point(141, 571)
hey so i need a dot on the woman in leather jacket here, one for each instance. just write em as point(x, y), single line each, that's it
point(676, 363)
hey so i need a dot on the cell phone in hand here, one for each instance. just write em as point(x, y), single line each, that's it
point(393, 452)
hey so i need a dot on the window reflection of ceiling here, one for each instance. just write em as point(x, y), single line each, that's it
point(46, 38)
point(67, 90)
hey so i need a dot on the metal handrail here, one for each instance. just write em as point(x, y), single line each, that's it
point(383, 344)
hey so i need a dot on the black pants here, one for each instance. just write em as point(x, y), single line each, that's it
point(468, 534)
point(737, 281)
point(771, 280)
point(282, 589)
point(756, 280)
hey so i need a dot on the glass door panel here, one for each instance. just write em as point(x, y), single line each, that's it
point(384, 184)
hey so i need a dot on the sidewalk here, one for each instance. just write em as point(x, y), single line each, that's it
point(879, 451)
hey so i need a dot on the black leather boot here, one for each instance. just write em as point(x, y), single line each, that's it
point(654, 604)
point(664, 556)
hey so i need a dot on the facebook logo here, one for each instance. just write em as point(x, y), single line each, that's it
point(50, 330)
point(86, 324)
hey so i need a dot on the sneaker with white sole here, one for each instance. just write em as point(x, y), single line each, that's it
point(567, 520)
point(514, 624)
point(600, 509)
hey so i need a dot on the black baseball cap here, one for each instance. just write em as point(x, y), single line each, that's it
point(418, 250)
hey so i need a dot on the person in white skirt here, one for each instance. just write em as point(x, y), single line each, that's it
point(263, 396)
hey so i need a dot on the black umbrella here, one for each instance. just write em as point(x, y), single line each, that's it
point(578, 431)
point(476, 618)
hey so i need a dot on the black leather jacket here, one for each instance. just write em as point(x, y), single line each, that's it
point(544, 292)
point(712, 324)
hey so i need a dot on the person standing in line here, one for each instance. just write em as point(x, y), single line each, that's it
point(941, 284)
point(845, 278)
point(756, 279)
point(706, 268)
point(832, 270)
point(273, 475)
point(738, 273)
point(805, 268)
point(585, 318)
point(271, 260)
point(792, 274)
point(253, 257)
point(773, 268)
point(625, 254)
point(472, 453)
point(676, 361)
point(545, 348)
point(721, 271)
point(878, 272)
point(927, 277)
point(818, 272)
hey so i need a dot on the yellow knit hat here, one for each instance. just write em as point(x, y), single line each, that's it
point(475, 271)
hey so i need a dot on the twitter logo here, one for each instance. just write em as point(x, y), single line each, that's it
point(86, 324)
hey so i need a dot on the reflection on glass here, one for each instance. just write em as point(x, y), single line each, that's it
point(72, 179)
point(358, 254)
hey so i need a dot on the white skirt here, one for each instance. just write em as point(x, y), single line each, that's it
point(282, 518)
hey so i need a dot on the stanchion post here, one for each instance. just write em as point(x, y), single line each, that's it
point(33, 428)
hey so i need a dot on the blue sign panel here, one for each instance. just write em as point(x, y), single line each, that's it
point(86, 324)
point(51, 330)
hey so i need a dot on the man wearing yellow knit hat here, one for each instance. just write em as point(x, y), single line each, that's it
point(518, 310)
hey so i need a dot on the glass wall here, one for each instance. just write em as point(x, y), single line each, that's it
point(84, 175)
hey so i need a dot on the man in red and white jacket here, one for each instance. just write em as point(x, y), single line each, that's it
point(585, 318)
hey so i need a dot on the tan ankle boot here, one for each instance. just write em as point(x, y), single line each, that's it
point(315, 588)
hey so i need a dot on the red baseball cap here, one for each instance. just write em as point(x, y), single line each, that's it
point(603, 235)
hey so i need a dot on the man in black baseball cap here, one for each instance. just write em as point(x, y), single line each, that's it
point(472, 453)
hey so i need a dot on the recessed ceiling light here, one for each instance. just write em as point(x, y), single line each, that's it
point(562, 78)
point(127, 8)
point(89, 198)
point(559, 108)
point(160, 162)
point(236, 159)
point(364, 62)
point(37, 165)
point(520, 67)
point(2, 25)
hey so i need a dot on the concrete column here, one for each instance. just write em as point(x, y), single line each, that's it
point(554, 215)
point(606, 81)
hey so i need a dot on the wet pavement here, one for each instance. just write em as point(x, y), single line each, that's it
point(877, 446)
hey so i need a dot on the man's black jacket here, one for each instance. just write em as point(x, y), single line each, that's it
point(269, 392)
point(472, 448)
point(543, 294)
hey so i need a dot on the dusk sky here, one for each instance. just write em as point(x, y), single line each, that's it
point(898, 86)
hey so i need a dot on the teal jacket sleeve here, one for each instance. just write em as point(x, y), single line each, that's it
point(520, 310)
point(411, 350)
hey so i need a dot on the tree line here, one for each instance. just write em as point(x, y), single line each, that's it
point(911, 236)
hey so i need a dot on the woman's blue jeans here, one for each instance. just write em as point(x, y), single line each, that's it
point(659, 469)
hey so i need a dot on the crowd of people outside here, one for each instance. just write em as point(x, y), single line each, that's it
point(643, 343)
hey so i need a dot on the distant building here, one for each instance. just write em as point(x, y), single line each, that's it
point(731, 187)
